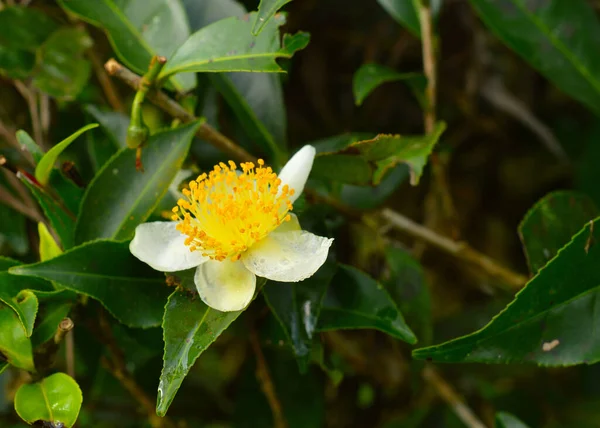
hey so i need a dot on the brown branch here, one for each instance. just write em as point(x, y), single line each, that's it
point(206, 132)
point(264, 378)
point(109, 89)
point(8, 199)
point(450, 396)
point(115, 364)
point(429, 66)
point(458, 249)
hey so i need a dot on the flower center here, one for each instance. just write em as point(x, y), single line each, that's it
point(225, 212)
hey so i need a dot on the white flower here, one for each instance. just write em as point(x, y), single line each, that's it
point(233, 226)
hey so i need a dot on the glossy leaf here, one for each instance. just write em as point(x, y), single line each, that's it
point(506, 420)
point(266, 10)
point(48, 246)
point(61, 219)
point(354, 300)
point(228, 45)
point(406, 12)
point(550, 322)
point(370, 76)
point(551, 223)
point(368, 161)
point(106, 271)
point(297, 306)
point(189, 328)
point(557, 37)
point(406, 285)
point(24, 27)
point(28, 143)
point(119, 198)
point(55, 399)
point(15, 346)
point(112, 123)
point(45, 165)
point(62, 70)
point(137, 28)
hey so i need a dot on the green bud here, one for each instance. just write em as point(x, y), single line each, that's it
point(137, 135)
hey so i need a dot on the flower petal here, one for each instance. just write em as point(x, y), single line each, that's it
point(289, 226)
point(161, 246)
point(296, 171)
point(225, 286)
point(288, 256)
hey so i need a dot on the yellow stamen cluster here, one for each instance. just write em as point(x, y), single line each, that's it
point(225, 212)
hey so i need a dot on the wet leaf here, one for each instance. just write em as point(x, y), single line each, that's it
point(137, 28)
point(132, 292)
point(558, 38)
point(120, 197)
point(551, 223)
point(354, 300)
point(56, 399)
point(550, 322)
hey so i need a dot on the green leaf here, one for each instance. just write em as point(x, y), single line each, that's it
point(557, 37)
point(13, 230)
point(355, 300)
point(55, 399)
point(15, 346)
point(61, 219)
point(368, 161)
point(54, 307)
point(62, 69)
point(106, 271)
point(369, 76)
point(44, 167)
point(371, 197)
point(24, 27)
point(16, 63)
point(228, 45)
point(266, 11)
point(406, 12)
point(189, 328)
point(28, 143)
point(551, 223)
point(506, 420)
point(297, 307)
point(136, 30)
point(120, 197)
point(112, 123)
point(48, 246)
point(407, 287)
point(550, 322)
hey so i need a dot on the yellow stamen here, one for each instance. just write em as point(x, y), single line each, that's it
point(224, 213)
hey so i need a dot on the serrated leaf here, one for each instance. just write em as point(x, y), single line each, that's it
point(297, 306)
point(132, 292)
point(48, 246)
point(55, 399)
point(61, 219)
point(27, 143)
point(228, 45)
point(368, 161)
point(551, 223)
point(370, 76)
point(354, 300)
point(189, 327)
point(557, 37)
point(15, 346)
point(137, 28)
point(45, 165)
point(266, 11)
point(62, 70)
point(550, 322)
point(506, 420)
point(120, 197)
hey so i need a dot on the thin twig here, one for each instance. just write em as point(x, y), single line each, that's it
point(116, 365)
point(109, 89)
point(45, 115)
point(8, 199)
point(459, 249)
point(206, 132)
point(450, 396)
point(429, 66)
point(264, 378)
point(31, 98)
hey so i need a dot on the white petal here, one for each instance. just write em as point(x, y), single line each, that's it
point(288, 256)
point(225, 286)
point(289, 226)
point(296, 171)
point(162, 247)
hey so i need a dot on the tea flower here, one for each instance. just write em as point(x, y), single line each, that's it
point(233, 226)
